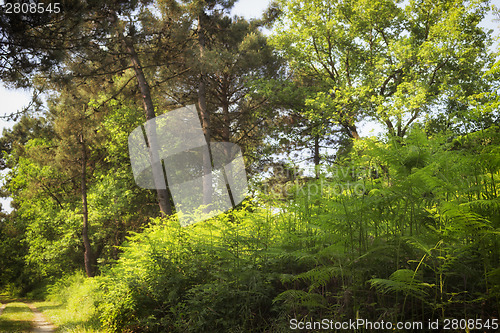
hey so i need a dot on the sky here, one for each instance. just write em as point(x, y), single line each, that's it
point(250, 8)
point(14, 100)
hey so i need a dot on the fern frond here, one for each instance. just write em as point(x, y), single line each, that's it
point(319, 276)
point(292, 298)
point(402, 280)
point(487, 205)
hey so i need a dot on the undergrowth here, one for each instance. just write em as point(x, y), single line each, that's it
point(414, 237)
point(71, 305)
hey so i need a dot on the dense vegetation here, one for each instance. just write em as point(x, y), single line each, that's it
point(400, 227)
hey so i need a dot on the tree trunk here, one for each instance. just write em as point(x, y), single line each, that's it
point(205, 117)
point(354, 132)
point(351, 130)
point(390, 127)
point(226, 136)
point(157, 168)
point(226, 131)
point(88, 256)
point(316, 157)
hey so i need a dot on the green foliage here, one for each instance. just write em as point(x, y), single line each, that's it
point(412, 241)
point(190, 279)
point(401, 227)
point(402, 280)
point(391, 61)
point(12, 252)
point(72, 304)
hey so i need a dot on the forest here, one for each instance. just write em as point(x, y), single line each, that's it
point(370, 135)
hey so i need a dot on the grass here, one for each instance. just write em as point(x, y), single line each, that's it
point(70, 305)
point(67, 319)
point(16, 318)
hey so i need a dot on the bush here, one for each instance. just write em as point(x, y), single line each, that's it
point(78, 297)
point(411, 246)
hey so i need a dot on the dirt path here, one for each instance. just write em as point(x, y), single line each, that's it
point(40, 324)
point(2, 307)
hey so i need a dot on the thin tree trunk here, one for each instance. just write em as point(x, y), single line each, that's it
point(316, 157)
point(205, 117)
point(226, 131)
point(226, 136)
point(354, 132)
point(88, 256)
point(157, 168)
point(350, 130)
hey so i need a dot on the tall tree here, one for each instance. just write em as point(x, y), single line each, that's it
point(77, 151)
point(389, 61)
point(206, 13)
point(240, 59)
point(204, 17)
point(98, 40)
point(163, 195)
point(53, 169)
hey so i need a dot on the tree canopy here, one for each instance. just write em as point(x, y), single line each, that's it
point(386, 60)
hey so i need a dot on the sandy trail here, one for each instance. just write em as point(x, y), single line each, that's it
point(40, 324)
point(2, 307)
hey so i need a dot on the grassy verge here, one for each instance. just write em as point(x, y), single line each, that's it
point(70, 305)
point(16, 318)
point(69, 320)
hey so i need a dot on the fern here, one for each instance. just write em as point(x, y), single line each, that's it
point(319, 276)
point(402, 280)
point(293, 299)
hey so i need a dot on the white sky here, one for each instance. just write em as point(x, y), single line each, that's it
point(250, 8)
point(13, 100)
